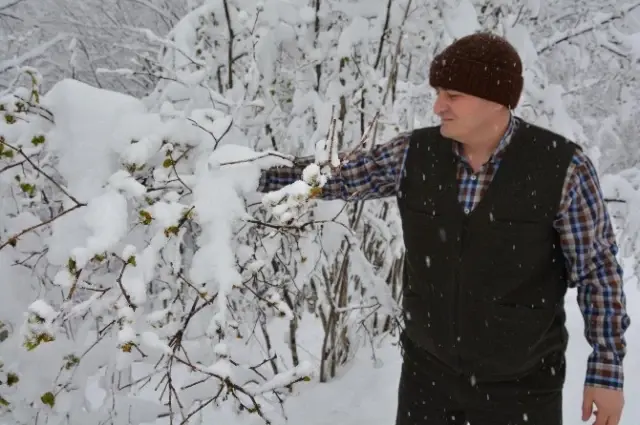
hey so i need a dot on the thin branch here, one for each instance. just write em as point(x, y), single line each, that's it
point(240, 161)
point(8, 5)
point(586, 27)
point(10, 166)
point(383, 35)
point(124, 292)
point(14, 239)
point(51, 179)
point(230, 48)
point(31, 54)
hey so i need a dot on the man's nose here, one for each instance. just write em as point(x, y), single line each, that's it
point(440, 104)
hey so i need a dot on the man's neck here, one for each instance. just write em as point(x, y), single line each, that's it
point(484, 142)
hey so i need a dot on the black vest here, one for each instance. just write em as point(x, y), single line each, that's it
point(484, 291)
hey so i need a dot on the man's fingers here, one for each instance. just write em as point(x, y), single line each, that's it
point(614, 419)
point(587, 407)
point(601, 419)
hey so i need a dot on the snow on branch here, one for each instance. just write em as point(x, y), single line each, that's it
point(40, 50)
point(585, 27)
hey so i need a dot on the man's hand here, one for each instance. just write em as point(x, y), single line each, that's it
point(609, 403)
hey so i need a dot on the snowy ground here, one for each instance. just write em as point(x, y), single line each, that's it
point(366, 394)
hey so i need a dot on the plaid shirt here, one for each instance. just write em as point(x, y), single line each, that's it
point(582, 222)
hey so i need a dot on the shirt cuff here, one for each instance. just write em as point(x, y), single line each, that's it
point(603, 372)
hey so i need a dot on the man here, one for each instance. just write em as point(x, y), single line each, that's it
point(499, 218)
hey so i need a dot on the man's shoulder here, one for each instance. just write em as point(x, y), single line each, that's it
point(544, 135)
point(423, 135)
point(411, 137)
point(425, 131)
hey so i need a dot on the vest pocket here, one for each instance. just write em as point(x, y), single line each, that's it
point(518, 246)
point(521, 325)
point(522, 229)
point(504, 338)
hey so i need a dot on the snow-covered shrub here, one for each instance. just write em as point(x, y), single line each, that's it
point(123, 265)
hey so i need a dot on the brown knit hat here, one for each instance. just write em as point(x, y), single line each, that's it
point(483, 65)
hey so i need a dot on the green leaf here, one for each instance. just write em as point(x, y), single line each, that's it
point(37, 140)
point(48, 398)
point(71, 361)
point(28, 188)
point(12, 379)
point(32, 343)
point(126, 347)
point(146, 217)
point(72, 266)
point(172, 230)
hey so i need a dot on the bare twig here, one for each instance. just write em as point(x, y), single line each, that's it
point(173, 167)
point(124, 292)
point(10, 4)
point(37, 168)
point(587, 26)
point(383, 35)
point(264, 155)
point(230, 45)
point(14, 238)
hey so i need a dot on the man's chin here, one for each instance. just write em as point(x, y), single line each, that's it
point(445, 130)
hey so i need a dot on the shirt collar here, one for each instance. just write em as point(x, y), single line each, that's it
point(502, 145)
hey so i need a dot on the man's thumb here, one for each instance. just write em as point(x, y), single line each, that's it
point(587, 407)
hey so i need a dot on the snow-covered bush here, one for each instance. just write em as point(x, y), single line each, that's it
point(122, 258)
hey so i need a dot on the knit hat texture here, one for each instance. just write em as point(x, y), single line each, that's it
point(483, 65)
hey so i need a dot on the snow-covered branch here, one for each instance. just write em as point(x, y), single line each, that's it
point(594, 23)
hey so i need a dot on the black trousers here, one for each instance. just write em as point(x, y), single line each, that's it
point(430, 393)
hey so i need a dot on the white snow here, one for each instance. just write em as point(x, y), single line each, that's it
point(460, 18)
point(221, 368)
point(148, 254)
point(307, 14)
point(43, 310)
point(127, 334)
point(152, 340)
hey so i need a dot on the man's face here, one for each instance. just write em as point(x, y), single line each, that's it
point(462, 114)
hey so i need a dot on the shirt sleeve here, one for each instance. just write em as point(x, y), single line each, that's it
point(590, 248)
point(374, 173)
